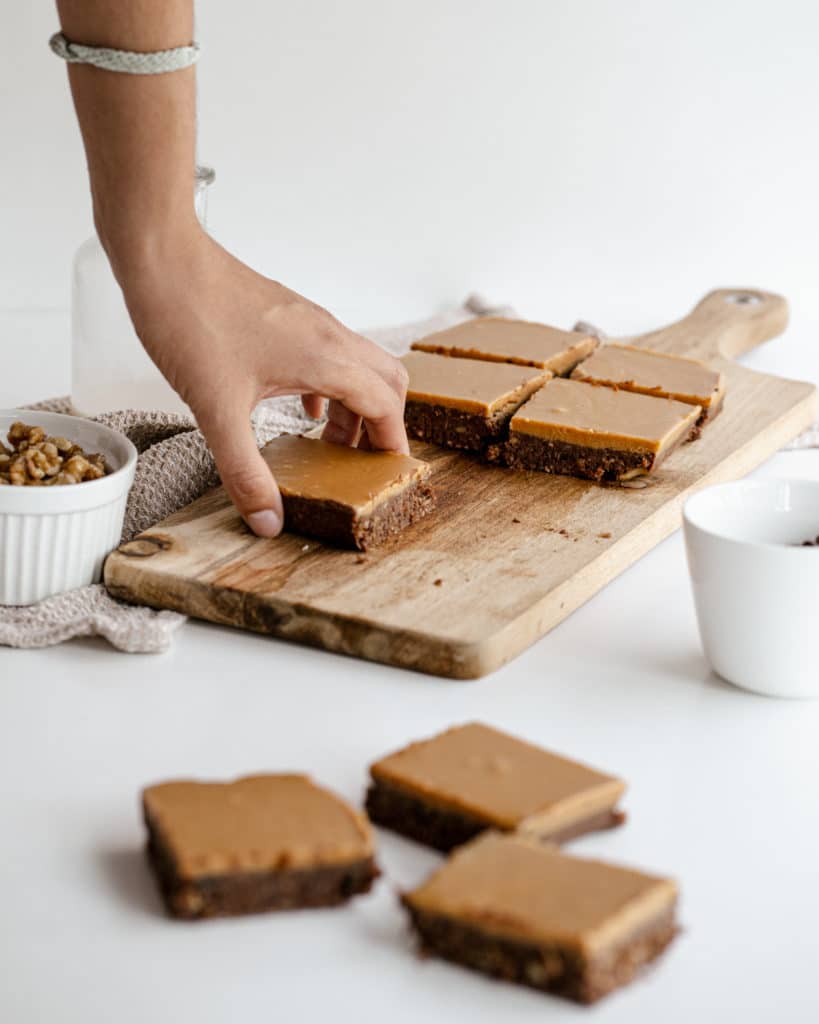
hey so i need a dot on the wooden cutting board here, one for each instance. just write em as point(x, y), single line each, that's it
point(505, 557)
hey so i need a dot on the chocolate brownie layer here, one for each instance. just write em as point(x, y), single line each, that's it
point(454, 428)
point(445, 829)
point(706, 416)
point(524, 451)
point(549, 967)
point(341, 525)
point(250, 892)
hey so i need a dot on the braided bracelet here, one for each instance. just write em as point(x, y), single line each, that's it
point(125, 61)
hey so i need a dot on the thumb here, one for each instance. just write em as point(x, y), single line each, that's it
point(245, 474)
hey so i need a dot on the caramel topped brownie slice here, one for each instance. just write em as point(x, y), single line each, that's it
point(499, 340)
point(265, 842)
point(464, 403)
point(596, 432)
point(347, 496)
point(525, 912)
point(657, 374)
point(445, 790)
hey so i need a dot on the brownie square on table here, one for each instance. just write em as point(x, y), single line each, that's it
point(464, 403)
point(445, 790)
point(347, 496)
point(264, 842)
point(524, 912)
point(501, 340)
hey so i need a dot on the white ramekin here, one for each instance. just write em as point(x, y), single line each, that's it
point(56, 538)
point(756, 589)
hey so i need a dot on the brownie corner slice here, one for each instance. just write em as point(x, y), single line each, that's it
point(264, 842)
point(524, 912)
point(504, 340)
point(464, 403)
point(595, 432)
point(445, 790)
point(347, 496)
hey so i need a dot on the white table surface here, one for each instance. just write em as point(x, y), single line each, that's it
point(724, 795)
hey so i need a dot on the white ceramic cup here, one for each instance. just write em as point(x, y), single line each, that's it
point(56, 538)
point(756, 588)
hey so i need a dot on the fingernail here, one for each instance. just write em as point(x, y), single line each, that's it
point(266, 523)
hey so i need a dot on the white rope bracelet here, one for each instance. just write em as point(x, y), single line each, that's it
point(125, 61)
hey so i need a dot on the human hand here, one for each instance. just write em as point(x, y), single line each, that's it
point(226, 337)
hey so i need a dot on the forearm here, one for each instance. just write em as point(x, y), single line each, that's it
point(139, 131)
point(224, 336)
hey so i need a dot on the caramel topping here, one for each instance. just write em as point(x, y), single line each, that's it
point(511, 341)
point(309, 468)
point(513, 886)
point(601, 417)
point(259, 823)
point(499, 779)
point(469, 384)
point(653, 373)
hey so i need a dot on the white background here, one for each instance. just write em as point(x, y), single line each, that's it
point(611, 160)
point(607, 160)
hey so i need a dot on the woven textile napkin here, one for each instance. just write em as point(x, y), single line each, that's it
point(174, 468)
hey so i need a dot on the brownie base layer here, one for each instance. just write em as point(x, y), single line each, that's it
point(254, 892)
point(554, 968)
point(454, 428)
point(445, 829)
point(705, 417)
point(525, 451)
point(342, 526)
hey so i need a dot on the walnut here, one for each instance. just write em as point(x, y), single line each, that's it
point(17, 471)
point(22, 436)
point(66, 478)
point(17, 432)
point(62, 444)
point(36, 463)
point(35, 460)
point(76, 466)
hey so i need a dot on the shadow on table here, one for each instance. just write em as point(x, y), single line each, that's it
point(691, 666)
point(126, 872)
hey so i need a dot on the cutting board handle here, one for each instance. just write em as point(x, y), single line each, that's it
point(727, 322)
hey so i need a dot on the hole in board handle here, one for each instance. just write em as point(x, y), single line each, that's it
point(744, 299)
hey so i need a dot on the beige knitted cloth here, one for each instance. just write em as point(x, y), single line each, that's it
point(166, 443)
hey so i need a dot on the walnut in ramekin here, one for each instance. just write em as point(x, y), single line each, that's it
point(36, 460)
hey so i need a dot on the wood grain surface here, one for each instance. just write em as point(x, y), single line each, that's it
point(505, 557)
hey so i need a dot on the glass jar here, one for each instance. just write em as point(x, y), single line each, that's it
point(109, 367)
